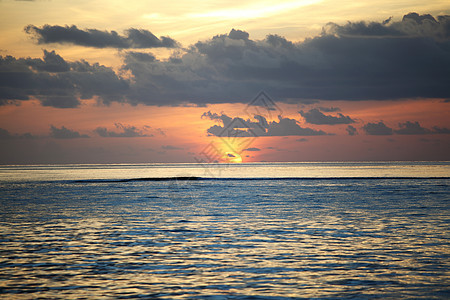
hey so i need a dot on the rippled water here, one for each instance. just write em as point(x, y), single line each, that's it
point(225, 238)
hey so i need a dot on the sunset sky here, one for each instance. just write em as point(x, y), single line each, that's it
point(227, 81)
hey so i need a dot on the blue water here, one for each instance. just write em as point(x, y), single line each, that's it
point(265, 231)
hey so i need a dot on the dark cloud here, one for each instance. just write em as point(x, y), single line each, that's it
point(287, 126)
point(133, 38)
point(252, 149)
point(332, 66)
point(355, 61)
point(56, 82)
point(64, 133)
point(351, 130)
point(406, 128)
point(226, 120)
point(238, 127)
point(125, 131)
point(441, 130)
point(139, 56)
point(415, 128)
point(315, 116)
point(377, 129)
point(6, 135)
point(238, 34)
point(329, 109)
point(411, 128)
point(412, 25)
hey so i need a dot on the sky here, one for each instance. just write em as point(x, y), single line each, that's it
point(224, 81)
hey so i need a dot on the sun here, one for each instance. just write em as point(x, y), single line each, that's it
point(233, 157)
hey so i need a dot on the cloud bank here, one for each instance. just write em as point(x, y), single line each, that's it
point(355, 61)
point(6, 135)
point(64, 133)
point(58, 83)
point(406, 128)
point(125, 131)
point(238, 127)
point(133, 38)
point(315, 116)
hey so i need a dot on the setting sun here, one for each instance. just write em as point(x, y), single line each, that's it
point(231, 149)
point(233, 157)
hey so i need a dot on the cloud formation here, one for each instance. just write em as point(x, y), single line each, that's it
point(329, 109)
point(351, 130)
point(356, 61)
point(124, 131)
point(412, 25)
point(238, 127)
point(6, 135)
point(64, 133)
point(411, 128)
point(315, 116)
point(406, 128)
point(441, 130)
point(58, 83)
point(377, 129)
point(133, 38)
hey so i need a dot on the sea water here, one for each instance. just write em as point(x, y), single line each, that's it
point(248, 231)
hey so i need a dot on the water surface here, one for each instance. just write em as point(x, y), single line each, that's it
point(270, 231)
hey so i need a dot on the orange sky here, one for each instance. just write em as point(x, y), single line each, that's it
point(172, 133)
point(186, 132)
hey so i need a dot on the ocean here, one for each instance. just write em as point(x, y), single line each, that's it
point(361, 230)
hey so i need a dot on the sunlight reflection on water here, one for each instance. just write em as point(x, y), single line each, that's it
point(244, 170)
point(260, 238)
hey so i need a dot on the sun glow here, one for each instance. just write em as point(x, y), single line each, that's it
point(233, 157)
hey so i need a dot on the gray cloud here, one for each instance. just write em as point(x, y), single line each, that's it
point(411, 128)
point(252, 149)
point(356, 61)
point(377, 129)
point(440, 130)
point(6, 135)
point(238, 127)
point(329, 109)
point(406, 128)
point(133, 38)
point(412, 25)
point(64, 133)
point(56, 82)
point(351, 130)
point(287, 126)
point(331, 66)
point(314, 116)
point(125, 131)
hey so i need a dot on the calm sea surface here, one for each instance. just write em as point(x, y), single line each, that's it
point(247, 231)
